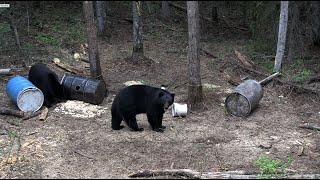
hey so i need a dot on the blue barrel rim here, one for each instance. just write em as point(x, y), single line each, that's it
point(31, 89)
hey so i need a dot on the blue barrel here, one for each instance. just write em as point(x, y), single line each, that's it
point(24, 94)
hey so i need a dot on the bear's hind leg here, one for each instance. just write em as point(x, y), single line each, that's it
point(116, 121)
point(131, 121)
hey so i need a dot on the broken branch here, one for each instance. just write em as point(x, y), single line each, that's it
point(243, 59)
point(208, 53)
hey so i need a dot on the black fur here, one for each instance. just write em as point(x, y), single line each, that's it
point(47, 81)
point(137, 99)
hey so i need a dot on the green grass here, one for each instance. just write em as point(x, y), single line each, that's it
point(271, 168)
point(302, 76)
point(267, 65)
point(47, 39)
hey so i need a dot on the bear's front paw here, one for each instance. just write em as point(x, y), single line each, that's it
point(117, 127)
point(163, 127)
point(158, 130)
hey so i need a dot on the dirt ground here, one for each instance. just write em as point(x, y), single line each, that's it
point(207, 140)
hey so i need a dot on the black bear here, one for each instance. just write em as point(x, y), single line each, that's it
point(47, 81)
point(137, 99)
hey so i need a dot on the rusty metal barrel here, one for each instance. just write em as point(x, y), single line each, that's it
point(85, 89)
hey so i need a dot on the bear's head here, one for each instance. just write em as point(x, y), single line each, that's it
point(165, 99)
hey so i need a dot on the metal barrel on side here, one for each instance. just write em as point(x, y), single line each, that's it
point(244, 99)
point(85, 89)
point(246, 96)
point(24, 94)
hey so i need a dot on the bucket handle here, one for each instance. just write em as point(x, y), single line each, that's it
point(269, 78)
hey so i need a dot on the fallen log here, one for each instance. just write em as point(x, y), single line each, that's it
point(19, 114)
point(234, 80)
point(295, 86)
point(66, 67)
point(310, 126)
point(208, 53)
point(314, 79)
point(213, 175)
point(243, 59)
point(11, 112)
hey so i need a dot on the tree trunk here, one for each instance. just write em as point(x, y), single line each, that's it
point(194, 87)
point(101, 17)
point(316, 28)
point(214, 14)
point(165, 10)
point(137, 53)
point(148, 4)
point(283, 22)
point(95, 69)
point(202, 22)
point(244, 13)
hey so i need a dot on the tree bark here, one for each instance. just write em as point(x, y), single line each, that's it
point(137, 53)
point(95, 69)
point(148, 4)
point(194, 87)
point(191, 174)
point(283, 22)
point(101, 17)
point(316, 28)
point(214, 14)
point(165, 10)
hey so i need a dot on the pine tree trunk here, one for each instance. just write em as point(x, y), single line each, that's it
point(283, 23)
point(91, 30)
point(214, 14)
point(194, 87)
point(137, 53)
point(165, 10)
point(148, 4)
point(101, 17)
point(316, 28)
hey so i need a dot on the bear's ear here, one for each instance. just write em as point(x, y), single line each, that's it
point(161, 94)
point(172, 94)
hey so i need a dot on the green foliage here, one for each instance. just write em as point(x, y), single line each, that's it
point(263, 24)
point(47, 39)
point(12, 135)
point(14, 121)
point(4, 27)
point(270, 168)
point(28, 46)
point(267, 65)
point(302, 76)
point(76, 33)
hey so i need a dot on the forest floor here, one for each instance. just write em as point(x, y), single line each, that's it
point(76, 139)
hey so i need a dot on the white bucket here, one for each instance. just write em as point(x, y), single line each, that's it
point(179, 110)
